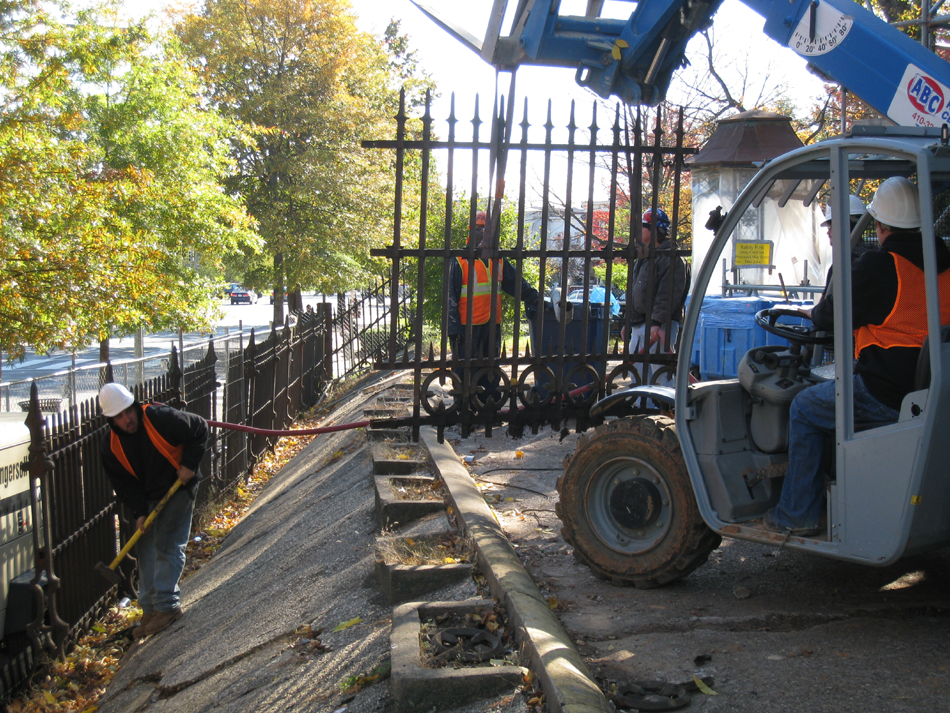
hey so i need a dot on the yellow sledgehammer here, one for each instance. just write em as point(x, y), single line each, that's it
point(109, 572)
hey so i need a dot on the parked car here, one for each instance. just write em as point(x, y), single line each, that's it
point(596, 294)
point(241, 295)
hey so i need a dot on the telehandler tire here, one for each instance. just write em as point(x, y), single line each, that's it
point(627, 505)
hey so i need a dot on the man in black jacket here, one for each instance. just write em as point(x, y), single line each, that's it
point(889, 318)
point(670, 285)
point(144, 451)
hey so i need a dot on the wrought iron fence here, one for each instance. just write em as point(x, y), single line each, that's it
point(576, 350)
point(263, 384)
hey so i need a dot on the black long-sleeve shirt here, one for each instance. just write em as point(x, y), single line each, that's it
point(887, 373)
point(154, 474)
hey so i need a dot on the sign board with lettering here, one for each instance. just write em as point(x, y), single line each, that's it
point(752, 253)
point(16, 526)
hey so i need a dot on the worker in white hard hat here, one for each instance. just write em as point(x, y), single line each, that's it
point(889, 317)
point(145, 449)
point(856, 209)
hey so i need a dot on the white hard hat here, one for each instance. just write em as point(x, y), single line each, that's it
point(895, 203)
point(855, 208)
point(114, 399)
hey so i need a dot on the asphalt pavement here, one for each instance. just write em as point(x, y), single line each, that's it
point(265, 626)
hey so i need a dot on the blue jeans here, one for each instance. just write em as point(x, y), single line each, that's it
point(812, 421)
point(160, 554)
point(641, 337)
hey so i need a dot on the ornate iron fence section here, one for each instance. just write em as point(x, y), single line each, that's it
point(76, 521)
point(569, 350)
point(361, 326)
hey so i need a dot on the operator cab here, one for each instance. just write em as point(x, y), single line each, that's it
point(886, 495)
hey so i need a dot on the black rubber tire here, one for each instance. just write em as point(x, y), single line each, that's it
point(633, 463)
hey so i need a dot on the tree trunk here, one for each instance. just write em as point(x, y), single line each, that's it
point(278, 288)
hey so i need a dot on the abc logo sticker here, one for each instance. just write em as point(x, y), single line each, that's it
point(925, 94)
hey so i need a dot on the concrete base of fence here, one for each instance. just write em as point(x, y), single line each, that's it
point(392, 511)
point(399, 435)
point(416, 688)
point(401, 583)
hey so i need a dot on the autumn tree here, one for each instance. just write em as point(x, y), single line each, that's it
point(111, 209)
point(309, 87)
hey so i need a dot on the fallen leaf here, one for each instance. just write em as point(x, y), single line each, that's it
point(50, 698)
point(348, 624)
point(449, 560)
point(519, 454)
point(701, 685)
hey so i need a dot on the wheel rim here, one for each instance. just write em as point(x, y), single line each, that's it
point(629, 505)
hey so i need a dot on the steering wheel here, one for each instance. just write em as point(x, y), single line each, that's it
point(795, 333)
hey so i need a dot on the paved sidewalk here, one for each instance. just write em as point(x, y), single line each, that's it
point(258, 634)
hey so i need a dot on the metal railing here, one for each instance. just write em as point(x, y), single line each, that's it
point(241, 379)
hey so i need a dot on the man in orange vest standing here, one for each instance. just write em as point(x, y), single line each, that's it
point(145, 449)
point(479, 272)
point(889, 317)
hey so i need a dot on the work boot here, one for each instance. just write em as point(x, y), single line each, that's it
point(160, 621)
point(143, 623)
point(769, 522)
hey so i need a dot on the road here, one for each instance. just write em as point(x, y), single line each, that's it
point(235, 318)
point(779, 631)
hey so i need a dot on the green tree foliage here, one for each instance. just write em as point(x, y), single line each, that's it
point(111, 211)
point(309, 87)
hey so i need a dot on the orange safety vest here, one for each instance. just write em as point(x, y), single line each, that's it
point(906, 325)
point(481, 296)
point(172, 453)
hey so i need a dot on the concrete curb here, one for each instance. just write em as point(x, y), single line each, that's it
point(565, 679)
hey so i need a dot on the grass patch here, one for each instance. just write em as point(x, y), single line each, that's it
point(447, 548)
point(416, 489)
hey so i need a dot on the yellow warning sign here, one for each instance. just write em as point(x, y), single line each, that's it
point(753, 254)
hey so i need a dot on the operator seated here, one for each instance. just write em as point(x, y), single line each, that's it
point(889, 315)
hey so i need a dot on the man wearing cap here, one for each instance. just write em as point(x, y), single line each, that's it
point(670, 285)
point(889, 317)
point(145, 449)
point(478, 272)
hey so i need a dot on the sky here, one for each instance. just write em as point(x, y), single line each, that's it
point(458, 70)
